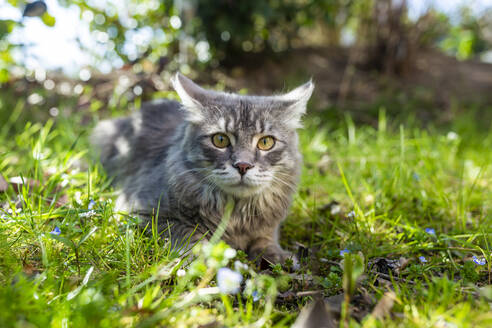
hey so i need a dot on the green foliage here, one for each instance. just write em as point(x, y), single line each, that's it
point(153, 35)
point(208, 31)
point(6, 27)
point(6, 60)
point(353, 267)
point(468, 38)
point(469, 272)
point(48, 20)
point(233, 27)
point(152, 16)
point(332, 282)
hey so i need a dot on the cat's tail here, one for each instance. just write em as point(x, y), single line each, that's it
point(113, 139)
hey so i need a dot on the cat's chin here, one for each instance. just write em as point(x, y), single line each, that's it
point(242, 190)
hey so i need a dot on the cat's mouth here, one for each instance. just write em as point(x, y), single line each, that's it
point(242, 188)
point(240, 185)
point(243, 183)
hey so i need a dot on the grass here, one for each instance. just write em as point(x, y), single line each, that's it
point(374, 191)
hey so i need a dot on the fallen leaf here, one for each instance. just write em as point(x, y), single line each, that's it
point(3, 184)
point(30, 270)
point(212, 324)
point(324, 164)
point(384, 306)
point(62, 200)
point(402, 264)
point(315, 315)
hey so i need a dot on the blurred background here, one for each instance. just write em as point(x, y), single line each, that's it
point(426, 60)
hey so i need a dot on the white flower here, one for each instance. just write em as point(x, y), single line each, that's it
point(452, 135)
point(238, 265)
point(87, 214)
point(230, 253)
point(77, 197)
point(335, 209)
point(65, 180)
point(180, 273)
point(229, 281)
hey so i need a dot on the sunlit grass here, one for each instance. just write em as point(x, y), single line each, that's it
point(372, 191)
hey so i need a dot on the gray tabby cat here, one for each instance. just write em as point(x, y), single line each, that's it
point(188, 160)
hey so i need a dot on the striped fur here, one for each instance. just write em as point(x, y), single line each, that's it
point(162, 157)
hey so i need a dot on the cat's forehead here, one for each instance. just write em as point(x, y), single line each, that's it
point(204, 106)
point(242, 114)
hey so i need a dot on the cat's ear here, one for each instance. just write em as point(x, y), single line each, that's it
point(295, 104)
point(192, 96)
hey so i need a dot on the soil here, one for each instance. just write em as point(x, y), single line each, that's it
point(434, 83)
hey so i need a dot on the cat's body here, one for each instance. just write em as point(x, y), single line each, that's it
point(171, 159)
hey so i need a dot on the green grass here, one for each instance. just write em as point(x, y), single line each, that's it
point(372, 191)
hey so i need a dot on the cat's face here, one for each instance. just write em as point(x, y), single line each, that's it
point(243, 144)
point(243, 149)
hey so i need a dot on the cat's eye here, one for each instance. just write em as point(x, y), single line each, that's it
point(220, 140)
point(266, 143)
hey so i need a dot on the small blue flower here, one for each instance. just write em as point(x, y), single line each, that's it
point(229, 281)
point(422, 259)
point(351, 214)
point(479, 261)
point(415, 176)
point(343, 252)
point(430, 231)
point(256, 296)
point(91, 205)
point(56, 231)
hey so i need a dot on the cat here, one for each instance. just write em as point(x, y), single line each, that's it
point(185, 161)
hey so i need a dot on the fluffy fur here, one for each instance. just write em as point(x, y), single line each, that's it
point(163, 157)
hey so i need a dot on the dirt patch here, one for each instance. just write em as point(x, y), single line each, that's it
point(433, 84)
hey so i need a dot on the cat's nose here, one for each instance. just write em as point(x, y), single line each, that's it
point(242, 167)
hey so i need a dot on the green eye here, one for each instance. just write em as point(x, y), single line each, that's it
point(220, 140)
point(266, 143)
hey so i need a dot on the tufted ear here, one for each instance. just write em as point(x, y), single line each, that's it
point(192, 96)
point(295, 104)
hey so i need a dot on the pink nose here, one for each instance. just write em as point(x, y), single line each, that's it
point(242, 167)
